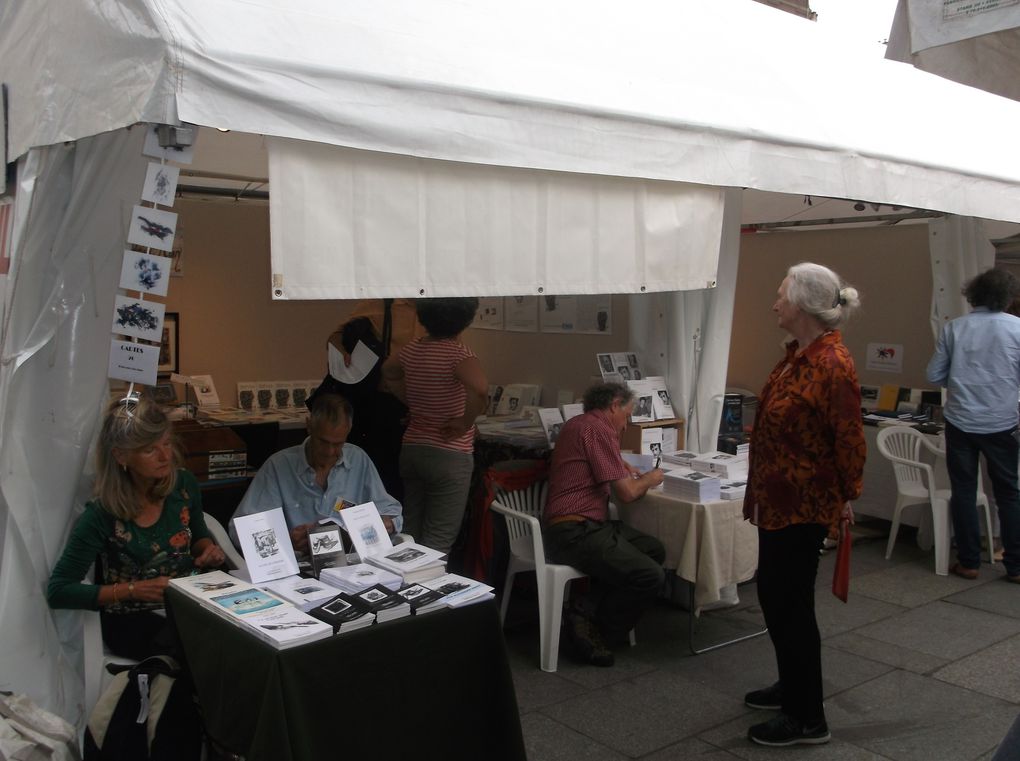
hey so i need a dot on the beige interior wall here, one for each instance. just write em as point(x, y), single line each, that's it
point(232, 329)
point(890, 268)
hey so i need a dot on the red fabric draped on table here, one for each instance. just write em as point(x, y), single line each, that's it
point(509, 475)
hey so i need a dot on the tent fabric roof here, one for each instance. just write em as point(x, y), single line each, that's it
point(725, 93)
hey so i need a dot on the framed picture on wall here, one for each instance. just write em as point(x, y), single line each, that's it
point(169, 354)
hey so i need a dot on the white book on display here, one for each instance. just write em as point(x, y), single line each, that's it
point(669, 440)
point(407, 557)
point(571, 410)
point(265, 543)
point(552, 422)
point(679, 457)
point(730, 488)
point(365, 527)
point(662, 404)
point(300, 592)
point(359, 576)
point(651, 442)
point(205, 391)
point(459, 590)
point(642, 411)
point(209, 584)
point(287, 626)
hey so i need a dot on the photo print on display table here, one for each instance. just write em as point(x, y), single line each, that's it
point(145, 273)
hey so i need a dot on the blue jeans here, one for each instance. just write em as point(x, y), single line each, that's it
point(1000, 450)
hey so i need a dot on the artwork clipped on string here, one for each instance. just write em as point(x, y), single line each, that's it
point(139, 319)
point(133, 362)
point(152, 228)
point(145, 273)
point(160, 184)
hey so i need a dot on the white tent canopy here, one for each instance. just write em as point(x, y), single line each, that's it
point(714, 95)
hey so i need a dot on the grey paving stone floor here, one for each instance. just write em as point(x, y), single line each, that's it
point(917, 667)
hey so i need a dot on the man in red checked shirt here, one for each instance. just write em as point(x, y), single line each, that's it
point(624, 565)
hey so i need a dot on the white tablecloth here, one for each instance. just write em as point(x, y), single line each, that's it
point(708, 544)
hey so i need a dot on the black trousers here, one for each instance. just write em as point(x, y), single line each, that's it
point(787, 568)
point(139, 635)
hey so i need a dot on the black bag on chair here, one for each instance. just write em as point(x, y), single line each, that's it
point(146, 714)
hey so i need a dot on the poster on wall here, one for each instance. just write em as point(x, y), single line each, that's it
point(134, 363)
point(145, 273)
point(576, 314)
point(885, 358)
point(490, 313)
point(520, 313)
point(152, 228)
point(141, 319)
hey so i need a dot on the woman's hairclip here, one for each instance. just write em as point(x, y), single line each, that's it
point(130, 401)
point(839, 300)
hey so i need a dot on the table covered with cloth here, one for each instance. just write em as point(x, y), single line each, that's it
point(434, 686)
point(708, 544)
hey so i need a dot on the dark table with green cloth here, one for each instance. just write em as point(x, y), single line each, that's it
point(434, 686)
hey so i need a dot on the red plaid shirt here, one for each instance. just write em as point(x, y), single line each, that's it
point(585, 463)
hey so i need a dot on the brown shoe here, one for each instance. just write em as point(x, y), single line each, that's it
point(964, 573)
point(1012, 579)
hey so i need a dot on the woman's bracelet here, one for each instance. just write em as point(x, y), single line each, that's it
point(131, 590)
point(115, 600)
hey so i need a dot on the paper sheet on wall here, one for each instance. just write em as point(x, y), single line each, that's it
point(520, 313)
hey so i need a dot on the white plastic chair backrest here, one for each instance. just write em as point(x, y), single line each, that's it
point(530, 502)
point(221, 538)
point(904, 443)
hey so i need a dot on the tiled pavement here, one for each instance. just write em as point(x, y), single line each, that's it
point(917, 667)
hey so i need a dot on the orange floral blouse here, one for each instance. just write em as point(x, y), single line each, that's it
point(807, 445)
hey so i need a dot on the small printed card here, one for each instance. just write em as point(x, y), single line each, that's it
point(135, 363)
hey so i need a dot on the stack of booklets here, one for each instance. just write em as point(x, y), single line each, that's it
point(359, 577)
point(732, 488)
point(722, 464)
point(383, 603)
point(459, 590)
point(300, 592)
point(270, 618)
point(342, 615)
point(680, 457)
point(422, 599)
point(691, 485)
point(413, 562)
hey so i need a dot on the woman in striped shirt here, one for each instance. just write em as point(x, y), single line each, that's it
point(443, 384)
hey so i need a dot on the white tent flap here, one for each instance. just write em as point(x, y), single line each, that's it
point(402, 226)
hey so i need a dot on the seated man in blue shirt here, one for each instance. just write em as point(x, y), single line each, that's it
point(319, 477)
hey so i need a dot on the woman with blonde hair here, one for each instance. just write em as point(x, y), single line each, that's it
point(144, 527)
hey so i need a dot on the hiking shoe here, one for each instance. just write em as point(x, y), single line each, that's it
point(785, 730)
point(586, 641)
point(769, 699)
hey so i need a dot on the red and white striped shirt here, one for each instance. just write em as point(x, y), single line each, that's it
point(585, 463)
point(434, 395)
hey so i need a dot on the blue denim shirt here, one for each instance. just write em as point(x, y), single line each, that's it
point(287, 480)
point(977, 359)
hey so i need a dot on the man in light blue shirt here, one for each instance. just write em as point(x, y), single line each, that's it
point(977, 359)
point(319, 477)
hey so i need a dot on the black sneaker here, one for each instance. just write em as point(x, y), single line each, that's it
point(785, 730)
point(587, 643)
point(769, 699)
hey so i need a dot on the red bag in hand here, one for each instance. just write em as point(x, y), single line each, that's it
point(841, 573)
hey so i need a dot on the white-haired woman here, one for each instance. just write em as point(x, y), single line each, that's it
point(145, 526)
point(806, 465)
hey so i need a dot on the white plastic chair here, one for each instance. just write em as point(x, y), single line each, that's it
point(222, 538)
point(523, 511)
point(915, 485)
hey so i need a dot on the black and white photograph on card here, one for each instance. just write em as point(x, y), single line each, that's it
point(152, 228)
point(160, 184)
point(325, 541)
point(214, 586)
point(182, 154)
point(624, 372)
point(406, 555)
point(281, 395)
point(138, 318)
point(133, 362)
point(372, 595)
point(169, 356)
point(263, 396)
point(336, 606)
point(605, 364)
point(145, 273)
point(413, 591)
